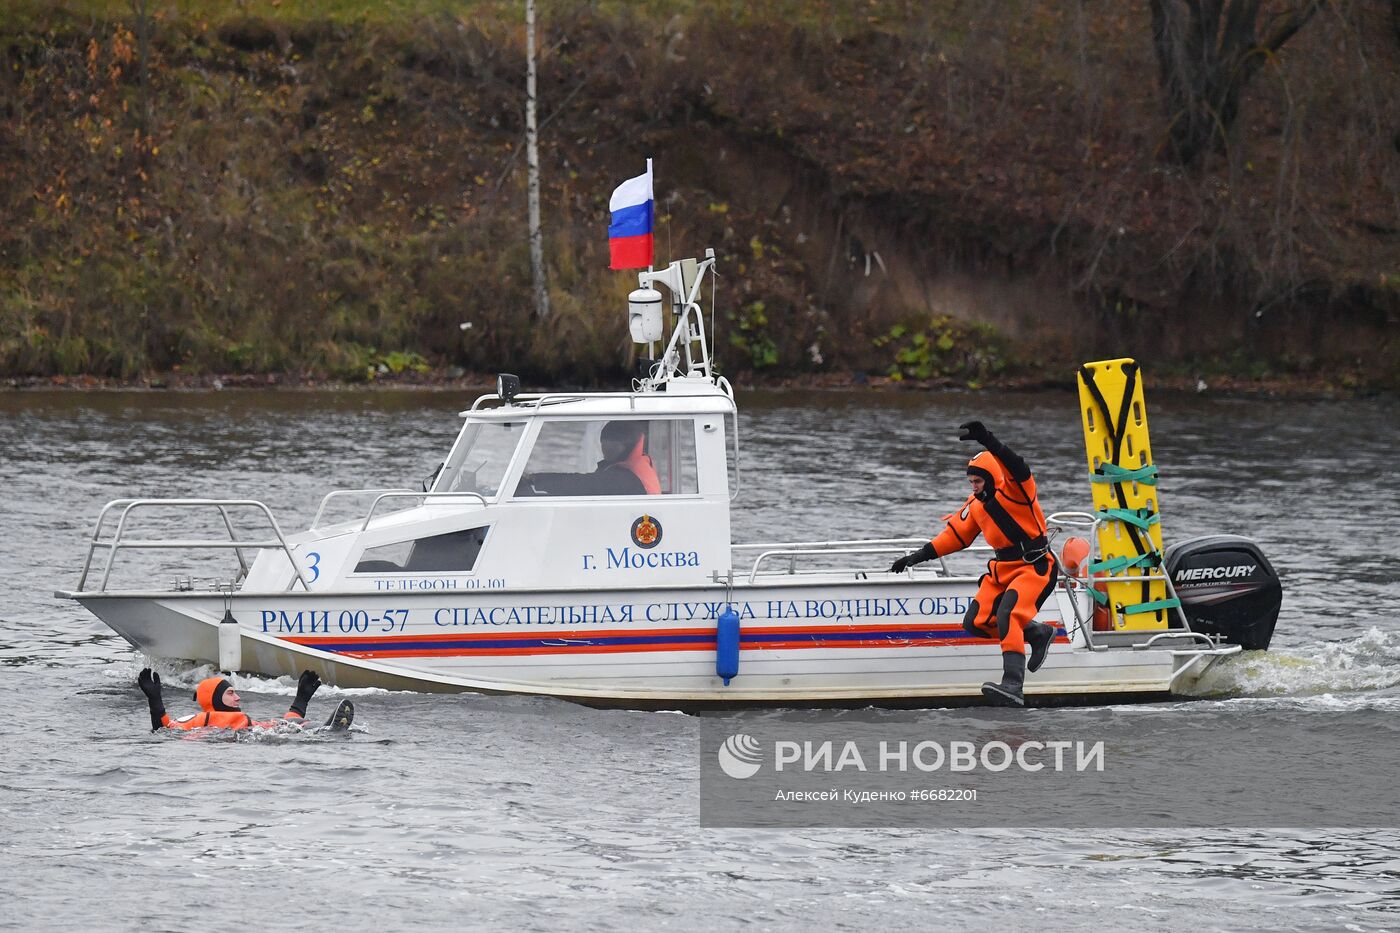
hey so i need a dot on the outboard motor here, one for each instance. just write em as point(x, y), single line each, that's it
point(1227, 588)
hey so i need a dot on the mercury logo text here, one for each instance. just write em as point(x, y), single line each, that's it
point(1216, 573)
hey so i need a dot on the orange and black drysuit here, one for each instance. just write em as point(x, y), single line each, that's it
point(1023, 572)
point(216, 711)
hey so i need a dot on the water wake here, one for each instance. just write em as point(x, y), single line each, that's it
point(1368, 662)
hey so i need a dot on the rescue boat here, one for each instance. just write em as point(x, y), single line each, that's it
point(523, 568)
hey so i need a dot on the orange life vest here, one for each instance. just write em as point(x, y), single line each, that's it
point(210, 719)
point(640, 466)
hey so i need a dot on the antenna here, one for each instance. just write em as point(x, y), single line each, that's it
point(714, 335)
point(683, 279)
point(667, 218)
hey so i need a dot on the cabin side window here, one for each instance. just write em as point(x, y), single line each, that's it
point(454, 552)
point(612, 457)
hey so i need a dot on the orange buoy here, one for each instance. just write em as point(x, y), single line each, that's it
point(1074, 557)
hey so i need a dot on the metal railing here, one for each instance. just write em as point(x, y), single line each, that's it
point(793, 553)
point(383, 494)
point(537, 400)
point(1075, 520)
point(129, 506)
point(1087, 522)
point(796, 550)
point(346, 493)
point(1202, 637)
point(1073, 584)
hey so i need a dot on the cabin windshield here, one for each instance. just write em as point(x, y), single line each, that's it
point(481, 458)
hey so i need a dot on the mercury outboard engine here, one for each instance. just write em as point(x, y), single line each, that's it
point(1227, 588)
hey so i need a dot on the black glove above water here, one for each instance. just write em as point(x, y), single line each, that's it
point(975, 431)
point(306, 687)
point(149, 682)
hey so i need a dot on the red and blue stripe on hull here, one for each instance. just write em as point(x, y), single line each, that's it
point(622, 641)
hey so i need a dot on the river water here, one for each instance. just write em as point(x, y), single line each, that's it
point(441, 812)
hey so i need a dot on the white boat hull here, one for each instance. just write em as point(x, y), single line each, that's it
point(803, 644)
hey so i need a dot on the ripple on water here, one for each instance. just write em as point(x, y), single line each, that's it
point(530, 814)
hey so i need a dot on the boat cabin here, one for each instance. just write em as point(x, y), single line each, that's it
point(542, 491)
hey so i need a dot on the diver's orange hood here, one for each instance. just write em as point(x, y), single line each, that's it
point(988, 467)
point(210, 693)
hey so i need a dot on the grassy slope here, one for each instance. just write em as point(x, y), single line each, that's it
point(333, 185)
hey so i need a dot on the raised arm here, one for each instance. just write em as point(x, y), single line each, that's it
point(1016, 468)
point(149, 683)
point(307, 686)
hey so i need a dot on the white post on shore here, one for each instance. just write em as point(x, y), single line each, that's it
point(532, 162)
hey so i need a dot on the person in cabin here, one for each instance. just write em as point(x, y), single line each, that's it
point(219, 704)
point(1022, 573)
point(625, 470)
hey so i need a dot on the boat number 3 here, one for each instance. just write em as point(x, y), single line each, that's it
point(315, 566)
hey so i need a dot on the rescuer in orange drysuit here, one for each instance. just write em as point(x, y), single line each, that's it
point(1021, 576)
point(219, 704)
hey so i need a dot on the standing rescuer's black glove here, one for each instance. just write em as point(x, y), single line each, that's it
point(149, 682)
point(976, 431)
point(306, 687)
point(917, 557)
point(1015, 466)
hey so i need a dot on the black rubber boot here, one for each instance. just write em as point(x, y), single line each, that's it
point(1039, 636)
point(1013, 675)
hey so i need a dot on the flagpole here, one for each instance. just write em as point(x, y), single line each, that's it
point(651, 184)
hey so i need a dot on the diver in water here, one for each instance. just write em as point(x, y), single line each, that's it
point(219, 704)
point(1022, 574)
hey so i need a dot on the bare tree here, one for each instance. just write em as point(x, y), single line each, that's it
point(1207, 52)
point(532, 164)
point(145, 24)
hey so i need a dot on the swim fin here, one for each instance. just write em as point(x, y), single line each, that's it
point(343, 716)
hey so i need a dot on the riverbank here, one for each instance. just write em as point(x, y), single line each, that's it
point(459, 381)
point(338, 188)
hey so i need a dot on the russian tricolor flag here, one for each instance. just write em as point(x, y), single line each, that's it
point(629, 234)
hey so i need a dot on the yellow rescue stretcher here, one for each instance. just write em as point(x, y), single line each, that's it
point(1125, 497)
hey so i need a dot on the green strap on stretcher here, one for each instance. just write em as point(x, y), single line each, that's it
point(1115, 564)
point(1140, 518)
point(1112, 473)
point(1153, 606)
